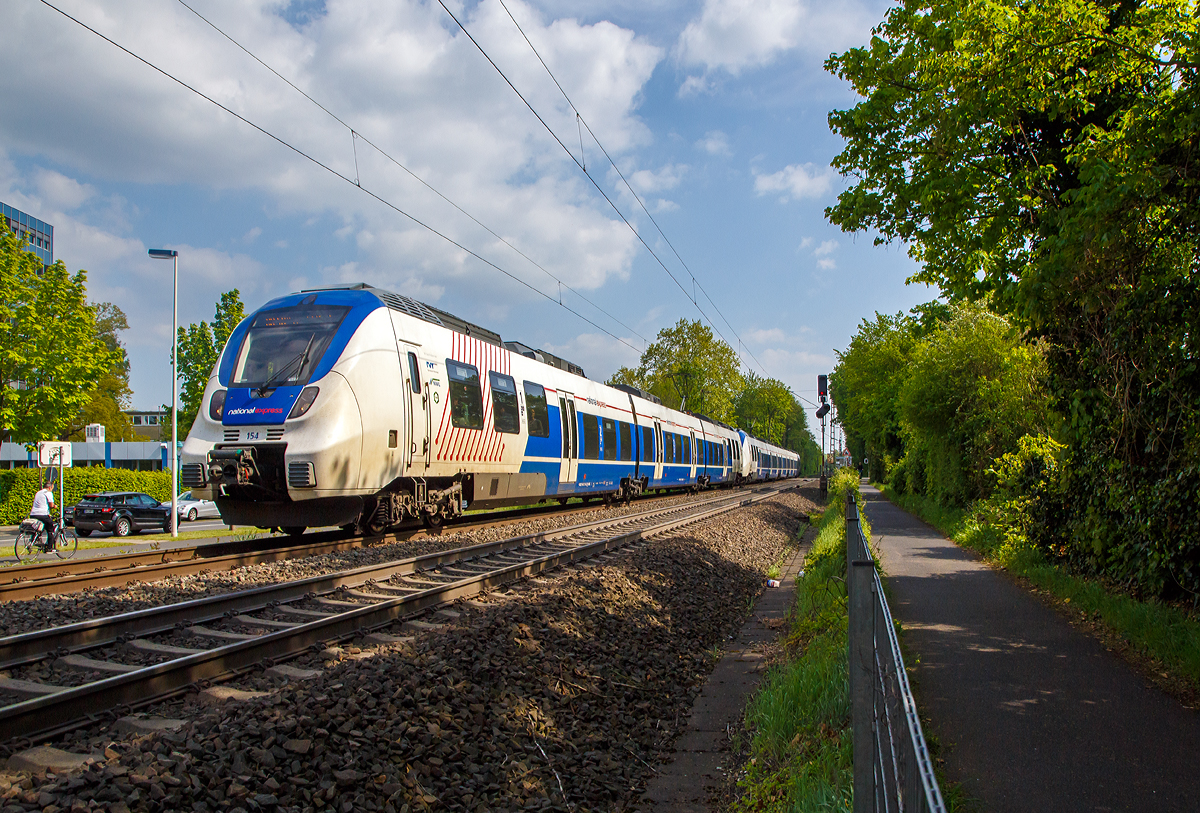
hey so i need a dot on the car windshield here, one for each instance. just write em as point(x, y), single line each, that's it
point(283, 346)
point(99, 499)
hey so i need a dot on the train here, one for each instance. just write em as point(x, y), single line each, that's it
point(362, 408)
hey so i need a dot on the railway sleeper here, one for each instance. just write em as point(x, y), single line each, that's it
point(82, 663)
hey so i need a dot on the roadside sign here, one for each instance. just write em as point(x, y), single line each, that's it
point(54, 453)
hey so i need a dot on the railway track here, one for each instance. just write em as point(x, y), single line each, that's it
point(55, 576)
point(59, 678)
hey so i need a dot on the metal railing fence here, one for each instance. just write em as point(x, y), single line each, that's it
point(893, 770)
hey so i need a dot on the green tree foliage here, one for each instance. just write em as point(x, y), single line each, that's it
point(765, 407)
point(1042, 157)
point(50, 355)
point(686, 365)
point(111, 396)
point(199, 348)
point(971, 391)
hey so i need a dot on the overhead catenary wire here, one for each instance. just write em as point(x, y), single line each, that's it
point(358, 136)
point(579, 164)
point(328, 168)
point(579, 118)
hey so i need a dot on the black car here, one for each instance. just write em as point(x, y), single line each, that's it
point(121, 512)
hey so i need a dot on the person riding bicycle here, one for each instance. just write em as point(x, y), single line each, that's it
point(43, 501)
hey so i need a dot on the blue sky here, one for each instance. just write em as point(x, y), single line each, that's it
point(715, 111)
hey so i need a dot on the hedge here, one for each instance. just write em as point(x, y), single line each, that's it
point(18, 487)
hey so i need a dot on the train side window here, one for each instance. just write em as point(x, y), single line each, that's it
point(506, 415)
point(626, 441)
point(647, 444)
point(539, 413)
point(414, 372)
point(668, 447)
point(687, 447)
point(610, 438)
point(591, 436)
point(466, 397)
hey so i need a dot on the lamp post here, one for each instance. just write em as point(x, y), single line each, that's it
point(173, 256)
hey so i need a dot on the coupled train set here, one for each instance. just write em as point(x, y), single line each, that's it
point(355, 406)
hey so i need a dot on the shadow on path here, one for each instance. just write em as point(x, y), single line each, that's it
point(1031, 714)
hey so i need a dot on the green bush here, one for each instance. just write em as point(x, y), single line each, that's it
point(18, 487)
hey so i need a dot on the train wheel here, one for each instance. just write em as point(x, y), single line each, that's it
point(294, 530)
point(433, 522)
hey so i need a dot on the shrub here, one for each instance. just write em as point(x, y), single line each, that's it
point(18, 487)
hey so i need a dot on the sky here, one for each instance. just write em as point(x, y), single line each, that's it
point(713, 111)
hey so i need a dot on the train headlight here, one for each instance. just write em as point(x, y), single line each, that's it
point(304, 402)
point(216, 405)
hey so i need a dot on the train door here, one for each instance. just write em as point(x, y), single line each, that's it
point(695, 454)
point(569, 466)
point(658, 451)
point(417, 423)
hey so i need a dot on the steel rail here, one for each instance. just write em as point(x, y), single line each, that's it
point(54, 577)
point(144, 686)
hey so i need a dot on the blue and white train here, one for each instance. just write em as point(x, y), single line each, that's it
point(355, 406)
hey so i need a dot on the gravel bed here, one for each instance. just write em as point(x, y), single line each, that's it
point(562, 694)
point(65, 608)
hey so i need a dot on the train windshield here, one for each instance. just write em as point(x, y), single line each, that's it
point(283, 346)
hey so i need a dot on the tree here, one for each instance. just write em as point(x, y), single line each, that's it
point(50, 356)
point(765, 407)
point(199, 349)
point(688, 367)
point(1042, 158)
point(112, 393)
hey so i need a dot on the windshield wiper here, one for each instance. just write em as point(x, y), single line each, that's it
point(302, 358)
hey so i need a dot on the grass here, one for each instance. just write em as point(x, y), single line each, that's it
point(801, 753)
point(1162, 639)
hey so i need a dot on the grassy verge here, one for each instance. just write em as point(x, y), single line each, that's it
point(1162, 639)
point(801, 755)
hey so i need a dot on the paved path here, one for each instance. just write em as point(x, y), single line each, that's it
point(1031, 714)
point(702, 753)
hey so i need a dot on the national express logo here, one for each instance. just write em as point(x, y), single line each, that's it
point(255, 411)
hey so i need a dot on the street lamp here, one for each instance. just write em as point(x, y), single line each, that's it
point(173, 256)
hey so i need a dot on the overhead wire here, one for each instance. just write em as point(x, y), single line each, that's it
point(330, 169)
point(355, 134)
point(579, 164)
point(579, 117)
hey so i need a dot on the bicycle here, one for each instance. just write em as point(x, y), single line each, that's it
point(30, 543)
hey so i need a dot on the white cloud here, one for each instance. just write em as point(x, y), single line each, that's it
point(652, 181)
point(826, 247)
point(252, 235)
point(795, 181)
point(738, 34)
point(765, 336)
point(805, 243)
point(395, 70)
point(696, 86)
point(715, 143)
point(827, 263)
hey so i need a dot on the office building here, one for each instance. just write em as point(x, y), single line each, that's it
point(38, 235)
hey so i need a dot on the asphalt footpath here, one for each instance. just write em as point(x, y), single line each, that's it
point(1029, 713)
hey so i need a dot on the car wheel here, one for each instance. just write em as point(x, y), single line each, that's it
point(83, 531)
point(122, 527)
point(192, 515)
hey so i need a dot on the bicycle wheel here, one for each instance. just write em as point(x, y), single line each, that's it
point(26, 546)
point(65, 544)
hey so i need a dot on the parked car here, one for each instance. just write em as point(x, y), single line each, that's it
point(121, 513)
point(191, 509)
point(69, 516)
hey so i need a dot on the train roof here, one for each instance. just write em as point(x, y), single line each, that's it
point(441, 318)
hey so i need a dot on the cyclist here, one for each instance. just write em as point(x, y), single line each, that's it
point(43, 501)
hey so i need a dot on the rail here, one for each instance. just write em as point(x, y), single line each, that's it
point(893, 770)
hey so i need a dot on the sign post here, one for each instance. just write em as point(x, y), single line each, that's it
point(53, 453)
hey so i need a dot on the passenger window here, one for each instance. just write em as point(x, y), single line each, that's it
point(668, 447)
point(539, 413)
point(610, 439)
point(414, 372)
point(506, 415)
point(466, 397)
point(591, 436)
point(686, 440)
point(648, 444)
point(626, 442)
